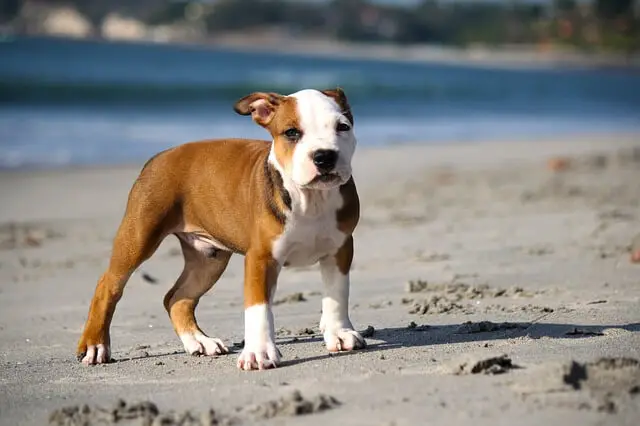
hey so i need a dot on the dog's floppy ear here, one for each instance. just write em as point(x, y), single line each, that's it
point(261, 106)
point(340, 97)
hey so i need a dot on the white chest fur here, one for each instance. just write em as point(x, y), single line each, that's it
point(311, 231)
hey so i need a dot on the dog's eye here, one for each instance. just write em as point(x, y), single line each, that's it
point(293, 134)
point(343, 127)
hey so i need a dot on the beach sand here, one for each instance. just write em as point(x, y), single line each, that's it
point(529, 241)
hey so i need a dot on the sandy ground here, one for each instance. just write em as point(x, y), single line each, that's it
point(449, 234)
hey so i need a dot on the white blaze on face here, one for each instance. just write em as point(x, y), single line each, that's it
point(319, 116)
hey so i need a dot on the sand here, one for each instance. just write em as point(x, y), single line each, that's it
point(494, 281)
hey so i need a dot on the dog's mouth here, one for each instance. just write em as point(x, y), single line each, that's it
point(325, 181)
point(326, 178)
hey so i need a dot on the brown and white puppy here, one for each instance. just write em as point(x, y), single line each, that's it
point(289, 202)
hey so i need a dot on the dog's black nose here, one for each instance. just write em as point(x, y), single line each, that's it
point(325, 159)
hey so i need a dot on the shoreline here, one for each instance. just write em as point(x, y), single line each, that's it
point(527, 142)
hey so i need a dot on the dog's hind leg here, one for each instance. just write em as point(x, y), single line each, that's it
point(146, 222)
point(131, 247)
point(200, 273)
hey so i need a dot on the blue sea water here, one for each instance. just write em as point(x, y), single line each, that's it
point(68, 102)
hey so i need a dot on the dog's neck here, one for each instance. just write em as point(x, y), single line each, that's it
point(306, 202)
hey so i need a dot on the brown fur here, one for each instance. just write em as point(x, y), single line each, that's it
point(223, 190)
point(339, 96)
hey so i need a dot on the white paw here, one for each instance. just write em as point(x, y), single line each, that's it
point(343, 339)
point(97, 354)
point(199, 344)
point(259, 357)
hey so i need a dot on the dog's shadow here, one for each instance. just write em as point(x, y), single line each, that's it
point(386, 339)
point(423, 336)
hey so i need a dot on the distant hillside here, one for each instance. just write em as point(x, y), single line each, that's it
point(590, 25)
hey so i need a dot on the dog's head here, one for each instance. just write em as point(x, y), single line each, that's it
point(312, 130)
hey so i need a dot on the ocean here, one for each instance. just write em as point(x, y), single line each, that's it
point(70, 102)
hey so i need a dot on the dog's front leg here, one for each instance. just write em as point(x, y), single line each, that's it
point(260, 351)
point(335, 324)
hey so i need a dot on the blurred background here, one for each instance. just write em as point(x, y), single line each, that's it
point(86, 82)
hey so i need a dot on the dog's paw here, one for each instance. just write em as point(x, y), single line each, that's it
point(199, 344)
point(343, 339)
point(259, 357)
point(95, 354)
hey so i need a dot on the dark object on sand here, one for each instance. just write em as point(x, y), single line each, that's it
point(293, 404)
point(148, 278)
point(292, 298)
point(415, 327)
point(578, 332)
point(488, 326)
point(143, 412)
point(306, 332)
point(601, 373)
point(140, 414)
point(369, 331)
point(610, 381)
point(489, 365)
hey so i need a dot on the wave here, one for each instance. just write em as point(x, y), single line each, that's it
point(28, 91)
point(63, 71)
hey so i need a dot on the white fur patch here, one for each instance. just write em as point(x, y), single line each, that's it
point(97, 354)
point(335, 303)
point(202, 242)
point(335, 324)
point(198, 343)
point(260, 351)
point(318, 116)
point(311, 231)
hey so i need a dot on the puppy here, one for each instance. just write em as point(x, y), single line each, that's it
point(288, 202)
